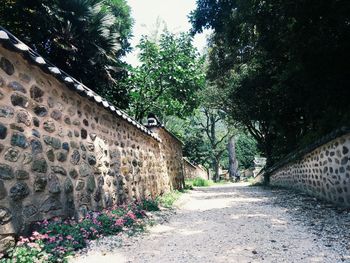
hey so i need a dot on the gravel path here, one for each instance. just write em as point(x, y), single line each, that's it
point(238, 223)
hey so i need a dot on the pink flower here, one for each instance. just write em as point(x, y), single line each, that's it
point(131, 215)
point(33, 245)
point(69, 237)
point(22, 241)
point(37, 236)
point(119, 222)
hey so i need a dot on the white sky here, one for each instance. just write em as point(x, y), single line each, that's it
point(173, 12)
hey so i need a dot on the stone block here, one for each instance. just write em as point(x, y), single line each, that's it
point(6, 172)
point(7, 66)
point(16, 86)
point(6, 112)
point(19, 100)
point(40, 183)
point(19, 191)
point(36, 93)
point(39, 166)
point(12, 154)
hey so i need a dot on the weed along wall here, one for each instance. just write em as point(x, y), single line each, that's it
point(322, 170)
point(65, 150)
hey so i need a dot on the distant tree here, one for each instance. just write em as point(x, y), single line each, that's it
point(84, 38)
point(246, 150)
point(198, 148)
point(195, 146)
point(205, 135)
point(212, 124)
point(170, 74)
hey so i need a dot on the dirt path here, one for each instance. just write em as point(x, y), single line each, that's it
point(229, 223)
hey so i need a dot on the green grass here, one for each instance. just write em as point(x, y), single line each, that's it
point(198, 181)
point(167, 200)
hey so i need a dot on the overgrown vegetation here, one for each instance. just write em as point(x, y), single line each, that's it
point(198, 181)
point(167, 200)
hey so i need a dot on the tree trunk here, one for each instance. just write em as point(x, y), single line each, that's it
point(233, 163)
point(216, 166)
point(207, 169)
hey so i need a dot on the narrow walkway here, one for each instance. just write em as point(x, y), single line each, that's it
point(229, 223)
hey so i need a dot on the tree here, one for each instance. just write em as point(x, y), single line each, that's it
point(170, 74)
point(84, 38)
point(212, 124)
point(246, 150)
point(198, 147)
point(233, 164)
point(281, 67)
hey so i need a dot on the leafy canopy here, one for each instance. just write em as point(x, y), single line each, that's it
point(84, 38)
point(170, 74)
point(281, 66)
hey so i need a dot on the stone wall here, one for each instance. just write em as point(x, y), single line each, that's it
point(171, 152)
point(192, 171)
point(62, 154)
point(323, 172)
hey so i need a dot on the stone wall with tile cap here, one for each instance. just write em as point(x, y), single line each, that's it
point(62, 154)
point(324, 172)
point(192, 171)
point(171, 151)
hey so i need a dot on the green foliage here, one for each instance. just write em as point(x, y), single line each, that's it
point(27, 253)
point(199, 149)
point(170, 74)
point(280, 66)
point(198, 181)
point(150, 205)
point(84, 38)
point(246, 150)
point(206, 135)
point(167, 200)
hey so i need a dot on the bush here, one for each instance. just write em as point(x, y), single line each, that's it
point(149, 205)
point(167, 200)
point(27, 252)
point(198, 181)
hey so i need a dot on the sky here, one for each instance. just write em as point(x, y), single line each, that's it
point(173, 12)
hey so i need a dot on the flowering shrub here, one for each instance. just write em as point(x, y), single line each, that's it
point(150, 204)
point(59, 238)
